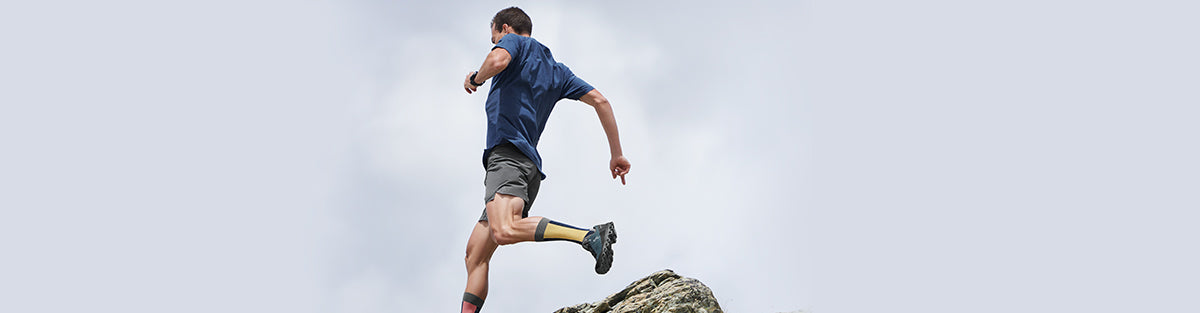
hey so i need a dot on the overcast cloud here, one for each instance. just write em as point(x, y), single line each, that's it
point(715, 191)
point(830, 156)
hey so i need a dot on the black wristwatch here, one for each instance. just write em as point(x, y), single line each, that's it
point(473, 80)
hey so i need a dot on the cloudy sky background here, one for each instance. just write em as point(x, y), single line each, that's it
point(926, 156)
point(717, 191)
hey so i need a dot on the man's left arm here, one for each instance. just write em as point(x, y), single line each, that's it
point(496, 62)
point(618, 165)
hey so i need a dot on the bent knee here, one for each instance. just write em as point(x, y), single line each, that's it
point(474, 258)
point(471, 260)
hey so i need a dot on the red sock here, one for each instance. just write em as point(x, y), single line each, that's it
point(471, 303)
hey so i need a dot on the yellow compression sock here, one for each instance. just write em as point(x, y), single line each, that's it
point(548, 230)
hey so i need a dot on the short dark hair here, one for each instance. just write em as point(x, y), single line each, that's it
point(514, 17)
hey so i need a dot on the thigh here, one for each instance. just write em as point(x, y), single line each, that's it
point(504, 210)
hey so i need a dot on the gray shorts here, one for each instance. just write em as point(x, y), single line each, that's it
point(510, 172)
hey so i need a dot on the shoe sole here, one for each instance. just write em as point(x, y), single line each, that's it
point(609, 234)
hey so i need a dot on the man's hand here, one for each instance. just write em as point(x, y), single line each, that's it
point(467, 84)
point(619, 166)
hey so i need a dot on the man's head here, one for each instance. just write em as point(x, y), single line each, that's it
point(510, 21)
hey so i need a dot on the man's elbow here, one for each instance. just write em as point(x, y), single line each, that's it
point(595, 99)
point(602, 104)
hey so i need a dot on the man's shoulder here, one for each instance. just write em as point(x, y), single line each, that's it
point(516, 40)
point(526, 42)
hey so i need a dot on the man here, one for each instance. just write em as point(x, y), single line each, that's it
point(526, 83)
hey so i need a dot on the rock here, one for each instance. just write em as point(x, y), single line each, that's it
point(663, 291)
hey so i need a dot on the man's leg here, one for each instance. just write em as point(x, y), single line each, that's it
point(482, 244)
point(480, 248)
point(507, 227)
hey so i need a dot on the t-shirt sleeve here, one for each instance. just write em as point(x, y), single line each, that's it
point(573, 87)
point(511, 45)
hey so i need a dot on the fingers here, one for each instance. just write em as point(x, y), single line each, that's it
point(620, 171)
point(467, 85)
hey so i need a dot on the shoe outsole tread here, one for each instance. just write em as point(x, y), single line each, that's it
point(608, 234)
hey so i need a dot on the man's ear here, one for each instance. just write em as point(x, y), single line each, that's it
point(507, 28)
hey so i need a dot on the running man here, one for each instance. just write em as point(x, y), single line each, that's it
point(526, 83)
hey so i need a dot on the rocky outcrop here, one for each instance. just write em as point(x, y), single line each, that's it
point(663, 291)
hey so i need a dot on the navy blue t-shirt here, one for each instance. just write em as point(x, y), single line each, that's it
point(523, 94)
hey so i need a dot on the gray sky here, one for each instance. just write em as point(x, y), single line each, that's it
point(715, 188)
point(829, 156)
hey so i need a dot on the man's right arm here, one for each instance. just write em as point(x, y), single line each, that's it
point(618, 165)
point(496, 61)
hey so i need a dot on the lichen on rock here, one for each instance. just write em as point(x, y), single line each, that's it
point(663, 291)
